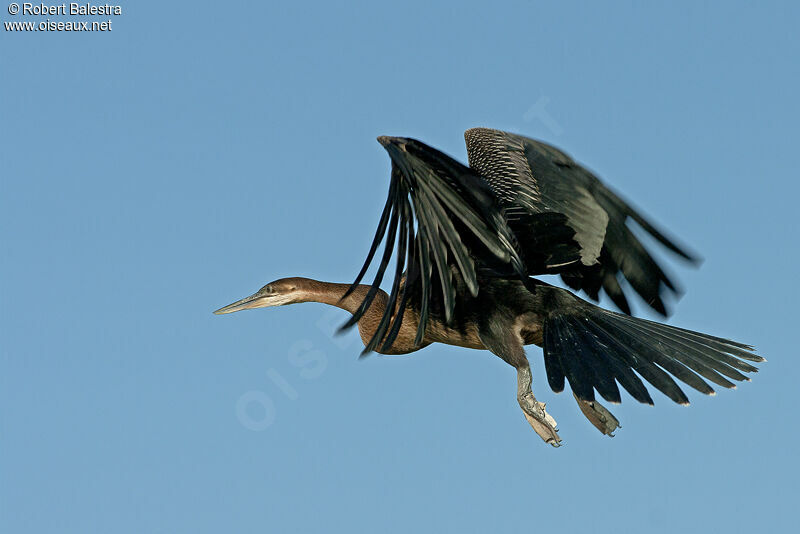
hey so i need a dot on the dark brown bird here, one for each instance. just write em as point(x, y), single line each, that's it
point(467, 241)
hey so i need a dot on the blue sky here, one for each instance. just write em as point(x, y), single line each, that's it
point(200, 150)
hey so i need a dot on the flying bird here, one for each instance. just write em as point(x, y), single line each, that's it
point(467, 241)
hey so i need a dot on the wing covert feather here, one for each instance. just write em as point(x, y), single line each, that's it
point(529, 175)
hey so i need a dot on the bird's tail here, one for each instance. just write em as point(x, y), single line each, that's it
point(594, 349)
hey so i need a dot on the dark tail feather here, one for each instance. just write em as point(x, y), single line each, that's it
point(594, 349)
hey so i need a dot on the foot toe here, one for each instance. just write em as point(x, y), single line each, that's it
point(542, 422)
point(599, 416)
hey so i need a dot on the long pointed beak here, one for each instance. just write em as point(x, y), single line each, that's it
point(253, 301)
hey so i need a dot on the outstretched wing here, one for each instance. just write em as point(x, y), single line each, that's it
point(444, 221)
point(529, 176)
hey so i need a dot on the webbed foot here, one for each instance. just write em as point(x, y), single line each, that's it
point(541, 421)
point(597, 414)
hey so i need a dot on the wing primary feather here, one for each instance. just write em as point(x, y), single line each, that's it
point(456, 246)
point(614, 290)
point(471, 220)
point(425, 280)
point(411, 276)
point(646, 225)
point(379, 233)
point(430, 227)
point(402, 242)
point(375, 287)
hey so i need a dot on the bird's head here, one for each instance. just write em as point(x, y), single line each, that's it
point(277, 293)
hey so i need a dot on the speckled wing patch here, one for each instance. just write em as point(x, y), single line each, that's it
point(501, 161)
point(534, 178)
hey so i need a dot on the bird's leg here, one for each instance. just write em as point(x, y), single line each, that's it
point(504, 340)
point(541, 421)
point(597, 414)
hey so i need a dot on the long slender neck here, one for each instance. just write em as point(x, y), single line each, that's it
point(332, 294)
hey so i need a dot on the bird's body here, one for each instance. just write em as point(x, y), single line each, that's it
point(522, 309)
point(469, 239)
